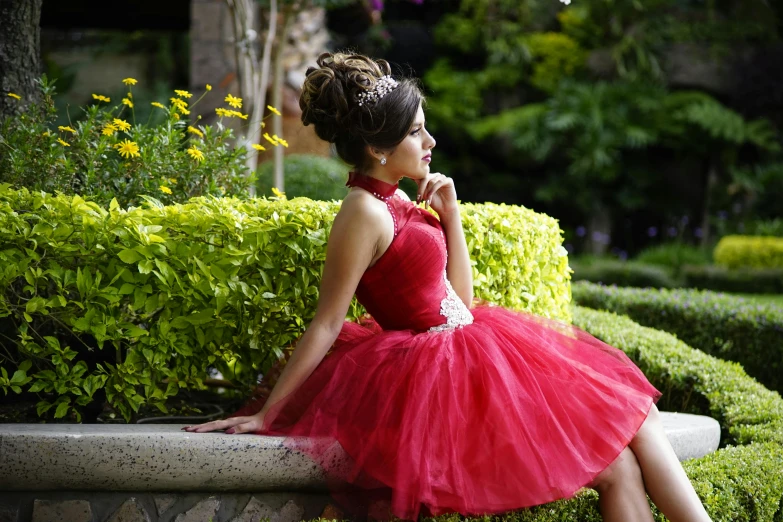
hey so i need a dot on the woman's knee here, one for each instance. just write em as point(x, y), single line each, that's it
point(624, 470)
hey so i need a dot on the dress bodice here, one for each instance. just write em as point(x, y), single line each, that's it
point(407, 287)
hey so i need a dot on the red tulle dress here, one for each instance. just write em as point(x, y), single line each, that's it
point(432, 407)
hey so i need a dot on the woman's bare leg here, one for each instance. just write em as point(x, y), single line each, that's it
point(621, 495)
point(664, 478)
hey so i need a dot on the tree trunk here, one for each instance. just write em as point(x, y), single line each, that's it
point(711, 182)
point(277, 97)
point(20, 50)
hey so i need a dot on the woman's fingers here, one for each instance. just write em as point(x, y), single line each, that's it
point(249, 424)
point(216, 425)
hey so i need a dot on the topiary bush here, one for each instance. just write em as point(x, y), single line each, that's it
point(749, 252)
point(739, 482)
point(737, 280)
point(723, 325)
point(623, 273)
point(306, 175)
point(141, 302)
point(674, 256)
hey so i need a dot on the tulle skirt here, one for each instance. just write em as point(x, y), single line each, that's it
point(508, 412)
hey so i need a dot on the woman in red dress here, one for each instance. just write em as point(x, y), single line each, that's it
point(437, 406)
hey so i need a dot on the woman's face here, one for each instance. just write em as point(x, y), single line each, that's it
point(411, 158)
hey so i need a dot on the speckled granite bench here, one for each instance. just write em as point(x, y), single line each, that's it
point(158, 473)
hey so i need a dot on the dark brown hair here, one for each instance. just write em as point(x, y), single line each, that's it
point(330, 102)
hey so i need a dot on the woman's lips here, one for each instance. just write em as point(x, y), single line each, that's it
point(427, 158)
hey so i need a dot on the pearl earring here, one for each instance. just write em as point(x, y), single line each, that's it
point(383, 161)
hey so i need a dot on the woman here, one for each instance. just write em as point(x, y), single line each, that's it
point(440, 407)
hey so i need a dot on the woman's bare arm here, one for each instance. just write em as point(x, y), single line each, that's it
point(458, 267)
point(353, 242)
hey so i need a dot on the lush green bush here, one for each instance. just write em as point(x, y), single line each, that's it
point(738, 280)
point(622, 273)
point(306, 175)
point(726, 326)
point(674, 256)
point(739, 482)
point(749, 252)
point(143, 301)
point(107, 154)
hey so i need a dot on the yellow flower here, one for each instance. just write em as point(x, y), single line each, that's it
point(184, 94)
point(46, 134)
point(283, 142)
point(209, 87)
point(165, 189)
point(277, 193)
point(270, 139)
point(179, 103)
point(102, 98)
point(158, 105)
point(272, 109)
point(63, 143)
point(183, 110)
point(258, 147)
point(196, 154)
point(12, 95)
point(127, 148)
point(121, 124)
point(234, 101)
point(129, 81)
point(109, 130)
point(176, 116)
point(195, 131)
point(173, 181)
point(130, 95)
point(66, 129)
point(221, 111)
point(127, 102)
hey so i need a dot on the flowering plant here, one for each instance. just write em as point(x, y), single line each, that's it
point(108, 155)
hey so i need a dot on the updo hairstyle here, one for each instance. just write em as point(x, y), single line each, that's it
point(330, 102)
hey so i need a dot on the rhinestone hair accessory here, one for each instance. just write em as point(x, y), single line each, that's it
point(383, 86)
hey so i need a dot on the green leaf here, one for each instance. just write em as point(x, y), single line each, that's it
point(135, 331)
point(37, 386)
point(62, 409)
point(42, 407)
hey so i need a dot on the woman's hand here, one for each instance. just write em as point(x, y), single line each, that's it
point(439, 193)
point(250, 424)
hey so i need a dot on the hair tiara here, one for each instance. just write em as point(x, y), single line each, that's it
point(383, 86)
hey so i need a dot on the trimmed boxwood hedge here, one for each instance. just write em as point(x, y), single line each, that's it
point(727, 326)
point(749, 251)
point(739, 280)
point(743, 480)
point(623, 273)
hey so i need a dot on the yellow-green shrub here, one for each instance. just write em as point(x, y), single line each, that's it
point(749, 251)
point(141, 302)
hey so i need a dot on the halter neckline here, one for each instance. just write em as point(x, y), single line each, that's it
point(379, 189)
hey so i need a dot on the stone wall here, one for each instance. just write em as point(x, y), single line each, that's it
point(92, 506)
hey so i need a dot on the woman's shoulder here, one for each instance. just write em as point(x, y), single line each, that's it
point(362, 209)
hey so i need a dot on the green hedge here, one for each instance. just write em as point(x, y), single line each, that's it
point(141, 302)
point(623, 273)
point(742, 481)
point(749, 251)
point(729, 327)
point(738, 280)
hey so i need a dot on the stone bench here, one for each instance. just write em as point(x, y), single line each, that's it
point(158, 473)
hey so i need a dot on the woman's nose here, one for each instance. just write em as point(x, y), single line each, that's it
point(432, 141)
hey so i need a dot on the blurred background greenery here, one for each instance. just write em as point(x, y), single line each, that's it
point(650, 130)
